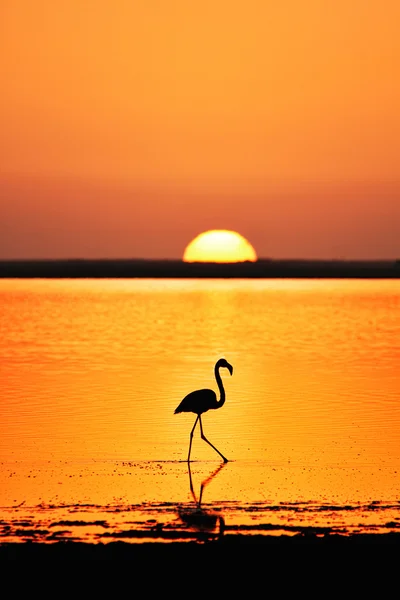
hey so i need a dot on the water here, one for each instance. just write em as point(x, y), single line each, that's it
point(92, 371)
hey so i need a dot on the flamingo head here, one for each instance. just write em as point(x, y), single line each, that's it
point(224, 363)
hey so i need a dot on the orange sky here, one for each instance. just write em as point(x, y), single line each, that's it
point(129, 127)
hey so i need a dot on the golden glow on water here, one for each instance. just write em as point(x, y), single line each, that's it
point(93, 370)
point(96, 368)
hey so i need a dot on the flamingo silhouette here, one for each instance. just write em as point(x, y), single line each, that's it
point(200, 401)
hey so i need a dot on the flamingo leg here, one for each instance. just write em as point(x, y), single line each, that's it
point(203, 437)
point(191, 436)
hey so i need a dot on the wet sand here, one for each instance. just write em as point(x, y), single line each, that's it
point(120, 509)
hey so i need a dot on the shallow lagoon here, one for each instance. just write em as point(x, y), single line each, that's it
point(93, 370)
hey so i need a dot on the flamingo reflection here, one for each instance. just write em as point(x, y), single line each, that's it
point(198, 518)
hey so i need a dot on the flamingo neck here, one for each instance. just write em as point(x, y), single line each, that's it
point(220, 387)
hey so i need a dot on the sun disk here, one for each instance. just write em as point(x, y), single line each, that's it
point(221, 246)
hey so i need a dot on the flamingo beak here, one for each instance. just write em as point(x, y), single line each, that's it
point(230, 368)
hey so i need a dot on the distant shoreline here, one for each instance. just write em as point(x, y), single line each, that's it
point(143, 268)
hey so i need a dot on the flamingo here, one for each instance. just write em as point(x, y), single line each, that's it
point(200, 401)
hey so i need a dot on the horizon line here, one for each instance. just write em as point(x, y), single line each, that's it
point(180, 260)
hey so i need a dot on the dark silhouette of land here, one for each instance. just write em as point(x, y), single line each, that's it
point(235, 547)
point(141, 268)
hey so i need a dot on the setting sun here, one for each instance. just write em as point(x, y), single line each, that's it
point(220, 246)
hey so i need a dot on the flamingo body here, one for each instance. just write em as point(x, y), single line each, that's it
point(198, 402)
